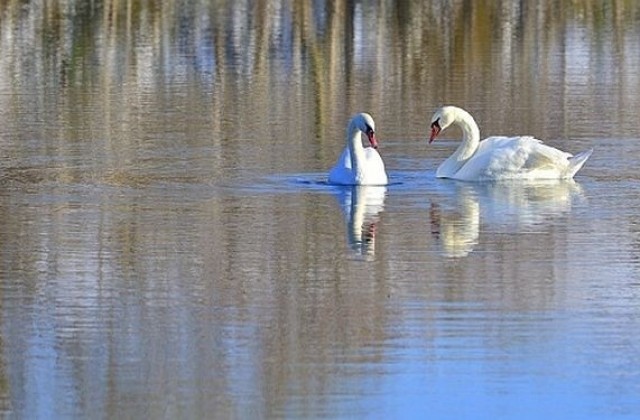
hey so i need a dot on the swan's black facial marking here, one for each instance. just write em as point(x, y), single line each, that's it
point(368, 130)
point(435, 130)
point(371, 135)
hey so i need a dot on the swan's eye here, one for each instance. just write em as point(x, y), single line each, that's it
point(435, 130)
point(368, 130)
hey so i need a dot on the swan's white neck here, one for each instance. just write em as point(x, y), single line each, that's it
point(469, 145)
point(356, 150)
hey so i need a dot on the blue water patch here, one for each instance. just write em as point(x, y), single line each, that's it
point(400, 182)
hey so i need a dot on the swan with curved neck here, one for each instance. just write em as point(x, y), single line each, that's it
point(498, 158)
point(359, 165)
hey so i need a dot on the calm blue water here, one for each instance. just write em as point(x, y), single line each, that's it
point(169, 247)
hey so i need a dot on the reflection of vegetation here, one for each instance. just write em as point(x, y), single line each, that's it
point(511, 55)
point(130, 93)
point(241, 35)
point(5, 389)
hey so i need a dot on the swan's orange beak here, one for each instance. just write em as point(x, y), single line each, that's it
point(372, 139)
point(435, 130)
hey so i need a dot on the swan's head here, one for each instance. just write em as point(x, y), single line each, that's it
point(364, 123)
point(442, 118)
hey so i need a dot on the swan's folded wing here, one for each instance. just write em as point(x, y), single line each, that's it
point(517, 157)
point(341, 173)
point(344, 161)
point(495, 157)
point(543, 158)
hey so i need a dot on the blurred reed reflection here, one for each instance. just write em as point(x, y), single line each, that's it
point(263, 71)
point(139, 280)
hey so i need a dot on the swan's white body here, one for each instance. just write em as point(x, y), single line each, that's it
point(359, 165)
point(497, 158)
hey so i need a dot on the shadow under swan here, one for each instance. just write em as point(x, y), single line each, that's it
point(361, 206)
point(513, 205)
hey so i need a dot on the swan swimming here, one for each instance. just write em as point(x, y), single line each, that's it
point(359, 165)
point(497, 158)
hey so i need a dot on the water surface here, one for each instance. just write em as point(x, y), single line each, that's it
point(170, 248)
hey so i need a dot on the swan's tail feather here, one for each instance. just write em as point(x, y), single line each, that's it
point(576, 162)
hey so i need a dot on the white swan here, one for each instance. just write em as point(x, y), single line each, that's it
point(498, 158)
point(358, 165)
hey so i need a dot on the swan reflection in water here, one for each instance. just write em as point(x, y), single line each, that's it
point(456, 228)
point(361, 206)
point(455, 220)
